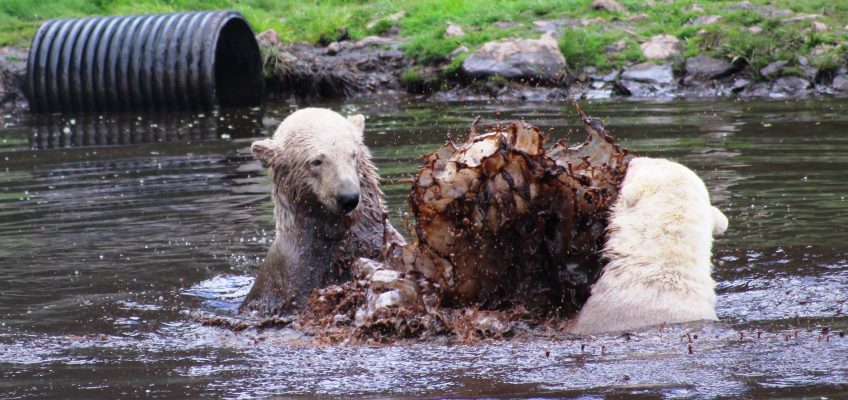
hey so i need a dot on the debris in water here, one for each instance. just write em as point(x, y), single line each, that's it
point(240, 324)
point(507, 233)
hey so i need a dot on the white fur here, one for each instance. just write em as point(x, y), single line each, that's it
point(658, 248)
point(318, 134)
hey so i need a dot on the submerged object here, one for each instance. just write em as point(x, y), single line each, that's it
point(185, 61)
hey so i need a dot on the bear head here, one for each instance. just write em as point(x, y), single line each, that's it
point(317, 156)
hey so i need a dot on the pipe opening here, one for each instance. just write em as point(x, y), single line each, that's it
point(185, 61)
point(238, 66)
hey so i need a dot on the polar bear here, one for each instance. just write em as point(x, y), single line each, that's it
point(328, 207)
point(658, 249)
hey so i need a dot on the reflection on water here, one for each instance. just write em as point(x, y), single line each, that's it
point(114, 228)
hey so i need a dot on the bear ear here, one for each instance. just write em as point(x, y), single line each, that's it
point(358, 121)
point(267, 151)
point(630, 194)
point(719, 223)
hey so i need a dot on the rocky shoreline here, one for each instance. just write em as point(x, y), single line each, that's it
point(529, 70)
point(506, 70)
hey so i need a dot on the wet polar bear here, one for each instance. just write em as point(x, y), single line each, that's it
point(658, 248)
point(328, 207)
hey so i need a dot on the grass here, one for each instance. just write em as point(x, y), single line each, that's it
point(424, 21)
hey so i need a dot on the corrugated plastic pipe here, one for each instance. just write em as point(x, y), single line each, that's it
point(162, 62)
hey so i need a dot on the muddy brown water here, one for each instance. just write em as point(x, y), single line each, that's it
point(114, 228)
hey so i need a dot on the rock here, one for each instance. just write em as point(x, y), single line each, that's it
point(333, 48)
point(517, 59)
point(840, 83)
point(704, 20)
point(739, 85)
point(607, 5)
point(819, 26)
point(804, 65)
point(649, 72)
point(375, 41)
point(773, 70)
point(556, 25)
point(457, 51)
point(756, 89)
point(779, 13)
point(616, 47)
point(755, 29)
point(810, 72)
point(391, 18)
point(642, 90)
point(454, 30)
point(790, 85)
point(638, 17)
point(708, 67)
point(591, 21)
point(661, 47)
point(800, 18)
point(268, 38)
point(606, 78)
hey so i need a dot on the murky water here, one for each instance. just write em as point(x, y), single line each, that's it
point(114, 228)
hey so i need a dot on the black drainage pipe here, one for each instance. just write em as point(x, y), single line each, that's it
point(187, 61)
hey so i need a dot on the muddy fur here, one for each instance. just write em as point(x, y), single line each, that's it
point(315, 240)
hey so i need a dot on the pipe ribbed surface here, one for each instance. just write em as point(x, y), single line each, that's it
point(162, 62)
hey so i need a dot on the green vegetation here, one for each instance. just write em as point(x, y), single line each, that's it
point(423, 22)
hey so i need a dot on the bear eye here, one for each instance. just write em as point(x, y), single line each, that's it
point(316, 163)
point(353, 156)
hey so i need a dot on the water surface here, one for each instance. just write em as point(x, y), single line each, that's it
point(114, 228)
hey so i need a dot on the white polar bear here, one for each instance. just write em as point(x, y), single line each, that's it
point(658, 248)
point(328, 207)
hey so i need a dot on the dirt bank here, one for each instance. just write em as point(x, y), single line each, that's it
point(344, 69)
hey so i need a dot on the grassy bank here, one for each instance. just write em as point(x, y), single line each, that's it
point(424, 22)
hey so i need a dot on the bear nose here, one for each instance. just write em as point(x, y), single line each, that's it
point(348, 201)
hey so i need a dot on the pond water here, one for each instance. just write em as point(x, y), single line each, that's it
point(114, 228)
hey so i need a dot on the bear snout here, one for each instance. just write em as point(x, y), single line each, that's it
point(347, 201)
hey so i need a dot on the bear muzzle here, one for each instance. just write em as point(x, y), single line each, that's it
point(347, 202)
